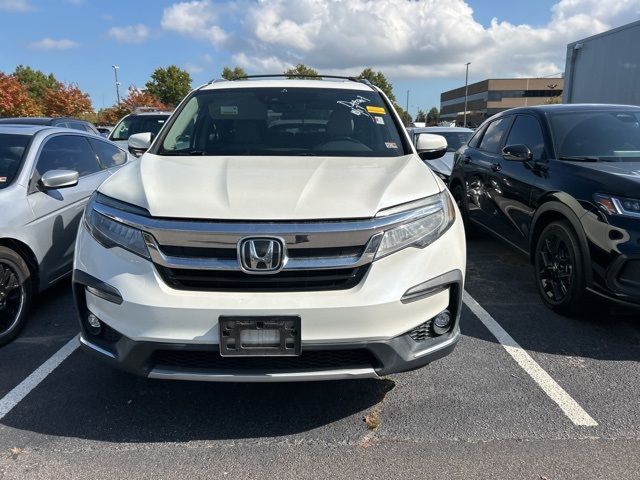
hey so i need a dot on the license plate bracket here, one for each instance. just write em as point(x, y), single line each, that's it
point(263, 336)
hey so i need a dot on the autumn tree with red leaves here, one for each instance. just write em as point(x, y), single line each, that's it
point(15, 100)
point(65, 101)
point(135, 98)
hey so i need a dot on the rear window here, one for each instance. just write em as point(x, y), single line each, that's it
point(138, 124)
point(284, 121)
point(12, 150)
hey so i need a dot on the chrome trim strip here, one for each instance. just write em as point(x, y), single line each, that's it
point(96, 348)
point(240, 376)
point(216, 264)
point(454, 338)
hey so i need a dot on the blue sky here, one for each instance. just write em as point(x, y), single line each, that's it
point(420, 45)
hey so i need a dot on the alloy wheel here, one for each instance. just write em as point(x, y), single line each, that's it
point(556, 268)
point(12, 297)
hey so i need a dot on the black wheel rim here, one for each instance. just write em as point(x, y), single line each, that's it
point(555, 267)
point(11, 297)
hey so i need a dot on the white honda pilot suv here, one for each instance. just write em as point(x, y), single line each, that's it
point(275, 230)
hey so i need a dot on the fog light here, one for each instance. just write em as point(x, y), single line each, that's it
point(94, 324)
point(442, 323)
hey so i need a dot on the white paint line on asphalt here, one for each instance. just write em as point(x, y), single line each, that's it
point(15, 396)
point(555, 392)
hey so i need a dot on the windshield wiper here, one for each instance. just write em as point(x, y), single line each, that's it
point(183, 153)
point(579, 159)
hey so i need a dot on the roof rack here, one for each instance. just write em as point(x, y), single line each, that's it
point(287, 75)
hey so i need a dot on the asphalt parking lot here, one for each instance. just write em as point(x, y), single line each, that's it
point(564, 405)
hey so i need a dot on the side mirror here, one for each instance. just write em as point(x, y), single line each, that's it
point(140, 143)
point(430, 146)
point(518, 153)
point(54, 179)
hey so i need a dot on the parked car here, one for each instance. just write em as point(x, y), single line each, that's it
point(560, 183)
point(47, 174)
point(61, 122)
point(104, 130)
point(142, 120)
point(455, 137)
point(239, 250)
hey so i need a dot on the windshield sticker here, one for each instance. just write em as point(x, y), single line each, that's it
point(379, 120)
point(356, 106)
point(3, 179)
point(228, 110)
point(376, 110)
point(391, 144)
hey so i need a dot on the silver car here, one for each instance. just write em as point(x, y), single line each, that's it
point(455, 137)
point(47, 175)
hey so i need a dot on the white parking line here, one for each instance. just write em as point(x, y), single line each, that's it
point(555, 392)
point(21, 390)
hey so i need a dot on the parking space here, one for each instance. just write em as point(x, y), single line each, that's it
point(476, 413)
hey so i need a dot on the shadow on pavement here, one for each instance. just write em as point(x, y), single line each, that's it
point(89, 400)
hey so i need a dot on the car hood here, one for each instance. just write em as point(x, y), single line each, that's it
point(270, 188)
point(621, 178)
point(443, 165)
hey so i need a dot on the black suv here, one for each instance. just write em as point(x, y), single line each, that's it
point(561, 183)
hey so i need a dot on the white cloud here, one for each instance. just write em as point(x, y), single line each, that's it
point(130, 34)
point(420, 38)
point(15, 6)
point(195, 19)
point(51, 44)
point(193, 68)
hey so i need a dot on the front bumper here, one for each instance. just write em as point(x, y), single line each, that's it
point(356, 333)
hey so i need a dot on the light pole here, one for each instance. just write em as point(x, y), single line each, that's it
point(115, 72)
point(408, 100)
point(466, 94)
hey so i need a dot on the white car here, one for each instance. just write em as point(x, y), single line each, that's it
point(142, 120)
point(240, 250)
point(455, 137)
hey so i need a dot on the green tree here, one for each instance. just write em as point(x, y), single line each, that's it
point(380, 81)
point(301, 70)
point(233, 74)
point(170, 85)
point(421, 116)
point(35, 81)
point(404, 115)
point(433, 116)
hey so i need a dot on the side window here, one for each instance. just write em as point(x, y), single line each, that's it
point(526, 131)
point(67, 152)
point(474, 141)
point(77, 126)
point(108, 154)
point(492, 139)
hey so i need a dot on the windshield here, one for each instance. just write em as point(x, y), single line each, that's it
point(284, 121)
point(602, 135)
point(12, 149)
point(454, 139)
point(138, 124)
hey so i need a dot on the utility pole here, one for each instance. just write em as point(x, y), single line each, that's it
point(408, 100)
point(466, 94)
point(115, 72)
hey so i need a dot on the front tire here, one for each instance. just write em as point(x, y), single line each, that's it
point(559, 268)
point(15, 294)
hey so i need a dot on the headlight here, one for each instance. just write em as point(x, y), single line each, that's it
point(627, 207)
point(111, 233)
point(429, 219)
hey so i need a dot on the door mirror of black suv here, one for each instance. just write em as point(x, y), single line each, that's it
point(518, 153)
point(430, 146)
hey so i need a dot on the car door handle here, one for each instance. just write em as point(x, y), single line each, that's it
point(496, 167)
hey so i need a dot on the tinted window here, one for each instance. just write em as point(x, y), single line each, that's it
point(68, 152)
point(108, 154)
point(284, 121)
point(12, 150)
point(526, 131)
point(138, 124)
point(492, 139)
point(609, 135)
point(455, 139)
point(78, 126)
point(477, 136)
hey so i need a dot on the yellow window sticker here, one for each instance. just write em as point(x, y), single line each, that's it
point(377, 110)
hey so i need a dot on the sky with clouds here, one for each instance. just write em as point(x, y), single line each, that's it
point(421, 45)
